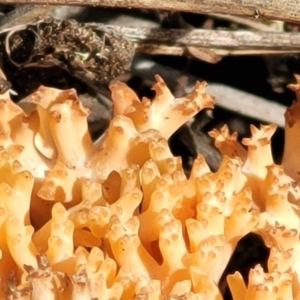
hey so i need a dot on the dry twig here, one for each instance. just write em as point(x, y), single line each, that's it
point(284, 10)
point(221, 42)
point(23, 14)
point(212, 38)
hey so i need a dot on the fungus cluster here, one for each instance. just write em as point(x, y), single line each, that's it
point(119, 219)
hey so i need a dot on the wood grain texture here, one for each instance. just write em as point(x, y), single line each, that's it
point(285, 10)
point(212, 38)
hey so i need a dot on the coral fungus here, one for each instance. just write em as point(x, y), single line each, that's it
point(120, 219)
